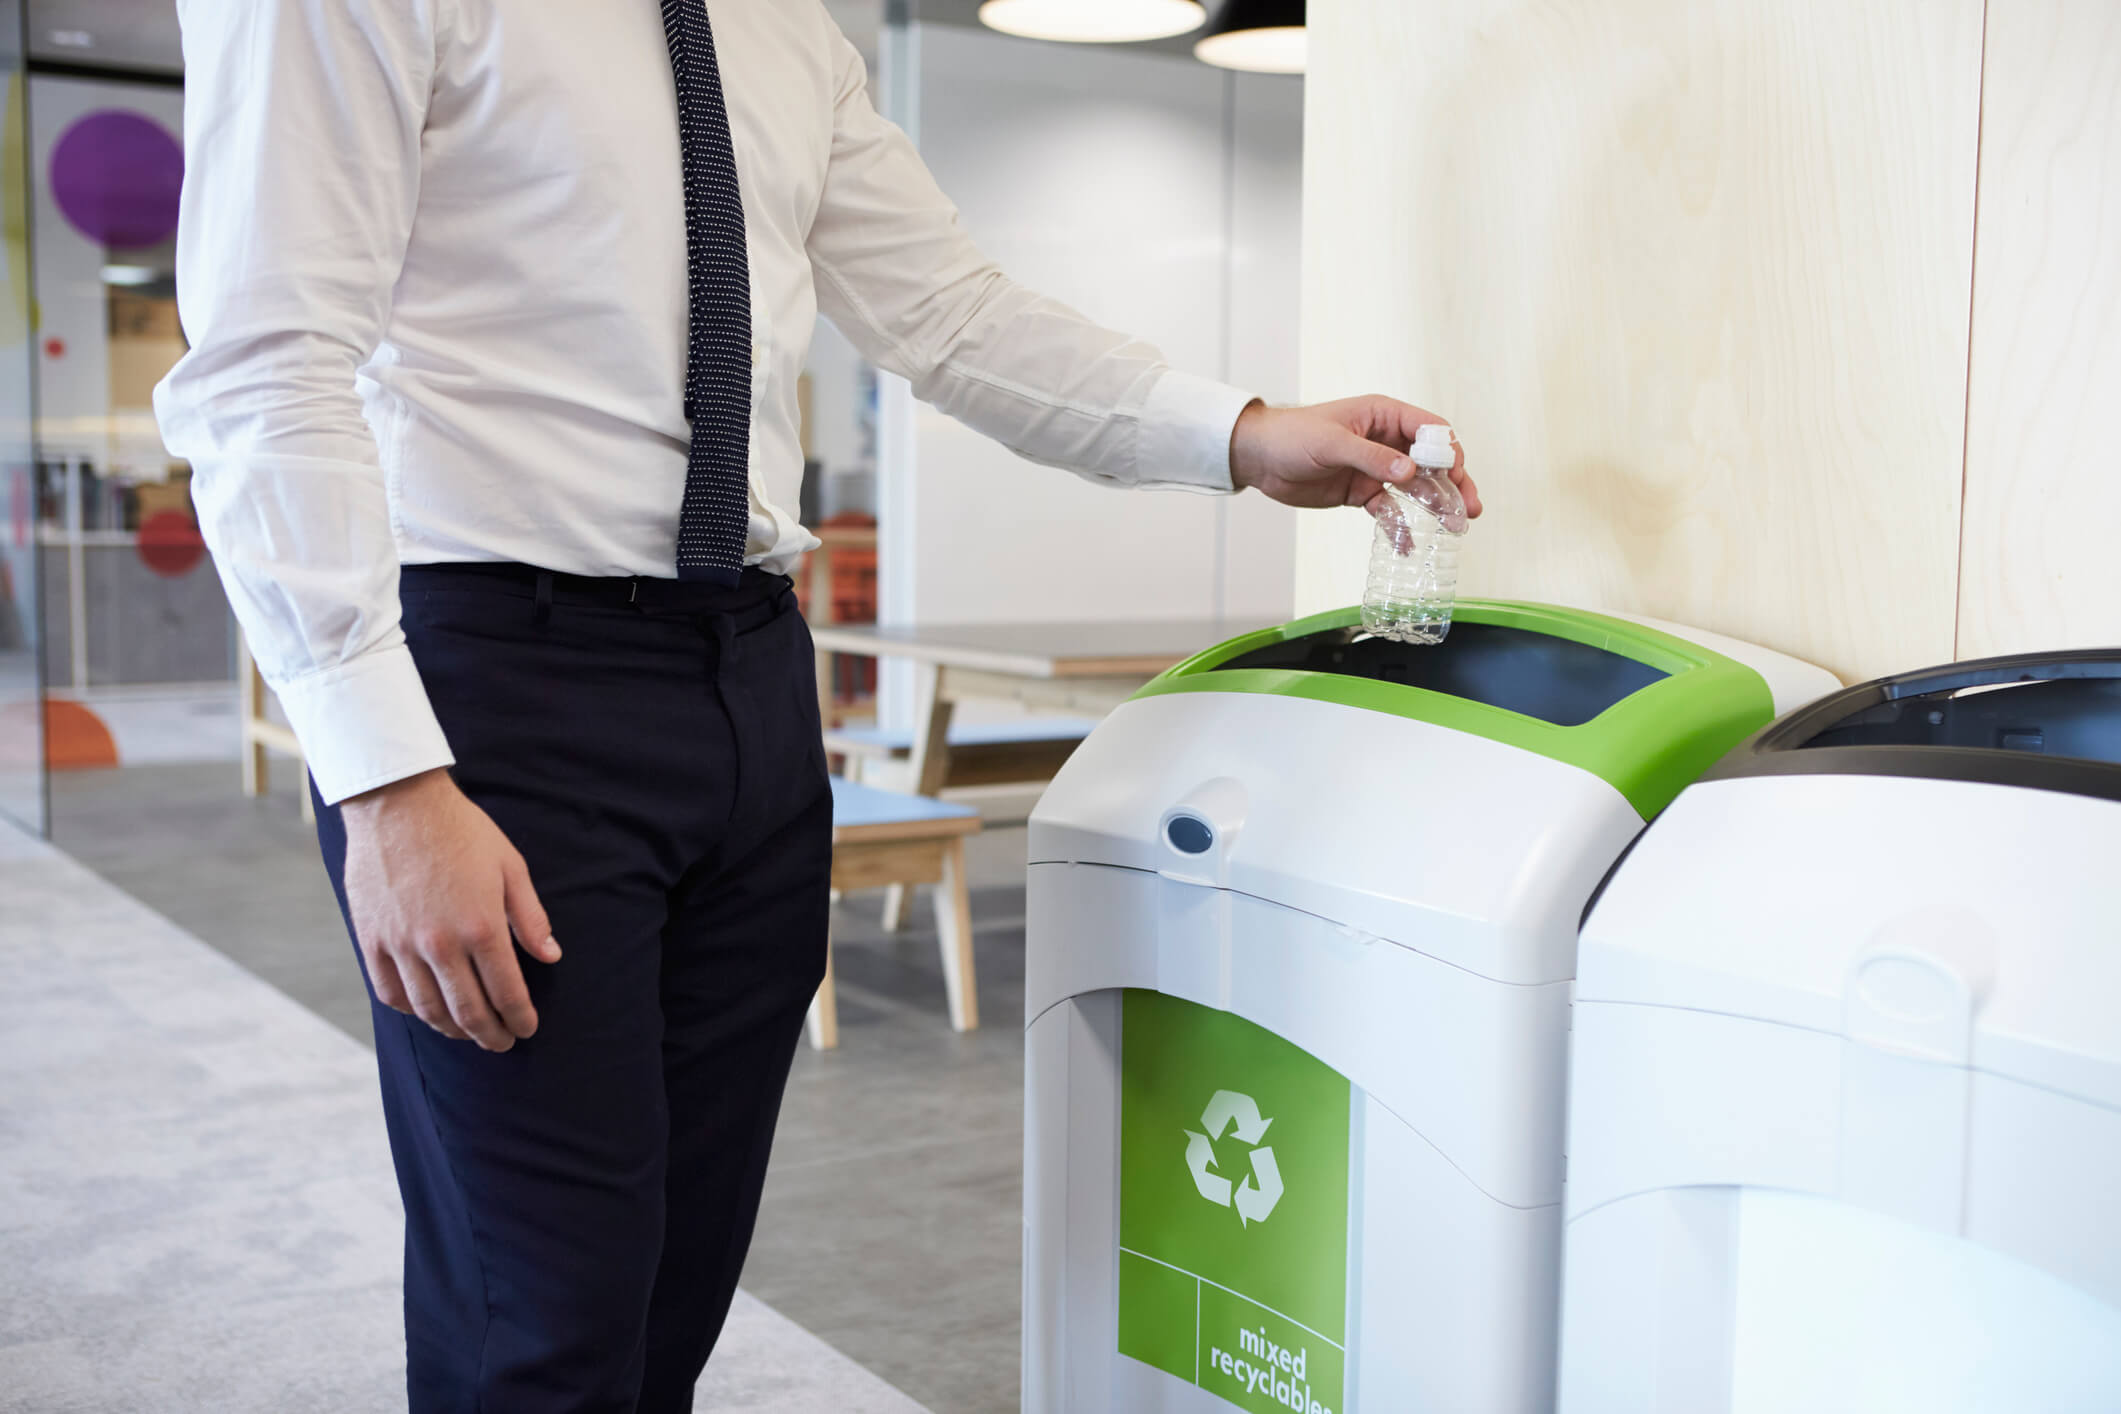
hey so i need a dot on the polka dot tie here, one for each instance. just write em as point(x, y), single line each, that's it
point(715, 520)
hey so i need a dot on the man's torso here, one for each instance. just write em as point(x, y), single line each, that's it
point(528, 397)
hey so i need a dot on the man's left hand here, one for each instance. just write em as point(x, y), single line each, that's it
point(1334, 454)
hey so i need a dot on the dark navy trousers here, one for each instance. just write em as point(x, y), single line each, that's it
point(577, 1209)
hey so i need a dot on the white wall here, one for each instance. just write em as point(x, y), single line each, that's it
point(841, 441)
point(1158, 196)
point(1266, 151)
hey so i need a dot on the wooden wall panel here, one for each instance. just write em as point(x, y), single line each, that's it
point(1690, 276)
point(2042, 559)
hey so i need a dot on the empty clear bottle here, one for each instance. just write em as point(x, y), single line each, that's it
point(1413, 584)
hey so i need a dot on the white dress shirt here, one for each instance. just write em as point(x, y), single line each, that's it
point(432, 265)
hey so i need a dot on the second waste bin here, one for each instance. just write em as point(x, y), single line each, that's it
point(1301, 929)
point(1845, 1092)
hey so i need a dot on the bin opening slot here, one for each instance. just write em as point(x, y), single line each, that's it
point(2072, 716)
point(1556, 680)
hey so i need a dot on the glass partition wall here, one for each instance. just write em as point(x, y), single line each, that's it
point(138, 650)
point(23, 794)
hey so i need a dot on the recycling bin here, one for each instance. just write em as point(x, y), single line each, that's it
point(1845, 1104)
point(1301, 927)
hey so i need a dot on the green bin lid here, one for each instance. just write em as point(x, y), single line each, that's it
point(1644, 710)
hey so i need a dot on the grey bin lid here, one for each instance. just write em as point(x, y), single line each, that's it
point(2043, 721)
point(2046, 724)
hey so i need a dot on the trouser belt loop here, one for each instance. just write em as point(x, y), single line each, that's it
point(544, 598)
point(723, 629)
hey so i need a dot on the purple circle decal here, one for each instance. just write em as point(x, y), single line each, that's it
point(116, 176)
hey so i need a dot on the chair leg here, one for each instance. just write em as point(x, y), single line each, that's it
point(953, 926)
point(896, 898)
point(823, 1023)
point(256, 773)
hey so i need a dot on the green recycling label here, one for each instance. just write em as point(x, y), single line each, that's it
point(1233, 1207)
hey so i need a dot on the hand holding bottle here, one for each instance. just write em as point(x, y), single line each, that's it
point(1413, 582)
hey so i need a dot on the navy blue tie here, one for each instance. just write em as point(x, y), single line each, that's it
point(715, 520)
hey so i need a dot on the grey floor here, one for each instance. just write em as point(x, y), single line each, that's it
point(891, 1226)
point(199, 1215)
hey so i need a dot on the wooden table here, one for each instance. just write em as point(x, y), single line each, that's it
point(1086, 668)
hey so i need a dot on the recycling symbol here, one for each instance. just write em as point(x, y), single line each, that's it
point(1260, 1190)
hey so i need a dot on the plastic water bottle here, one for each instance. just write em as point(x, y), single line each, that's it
point(1413, 583)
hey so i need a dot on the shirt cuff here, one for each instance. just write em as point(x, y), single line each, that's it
point(1186, 426)
point(365, 723)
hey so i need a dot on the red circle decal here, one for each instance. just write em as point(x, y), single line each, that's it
point(170, 543)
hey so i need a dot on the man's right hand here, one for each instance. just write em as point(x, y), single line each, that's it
point(434, 888)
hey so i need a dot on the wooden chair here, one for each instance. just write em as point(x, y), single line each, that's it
point(882, 838)
point(261, 734)
point(1022, 751)
point(1027, 749)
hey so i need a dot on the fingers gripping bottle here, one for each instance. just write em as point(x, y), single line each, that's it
point(1413, 582)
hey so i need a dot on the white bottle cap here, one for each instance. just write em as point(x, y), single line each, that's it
point(1432, 447)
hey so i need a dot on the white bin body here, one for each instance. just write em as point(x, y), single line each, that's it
point(1399, 901)
point(1845, 1106)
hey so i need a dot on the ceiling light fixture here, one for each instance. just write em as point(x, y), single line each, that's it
point(1093, 21)
point(1258, 36)
point(131, 275)
point(73, 39)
